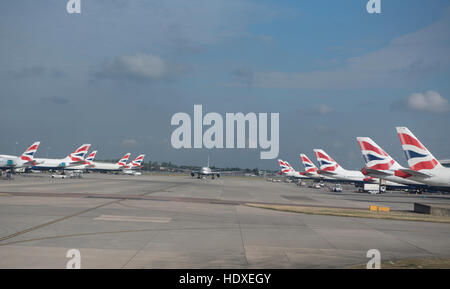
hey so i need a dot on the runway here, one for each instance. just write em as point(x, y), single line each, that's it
point(152, 221)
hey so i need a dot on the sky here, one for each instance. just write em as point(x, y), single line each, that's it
point(114, 75)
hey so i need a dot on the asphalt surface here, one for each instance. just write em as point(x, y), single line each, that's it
point(154, 221)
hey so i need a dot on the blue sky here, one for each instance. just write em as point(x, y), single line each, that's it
point(330, 69)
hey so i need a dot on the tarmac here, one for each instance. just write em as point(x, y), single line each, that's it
point(156, 221)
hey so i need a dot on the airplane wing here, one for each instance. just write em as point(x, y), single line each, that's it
point(73, 164)
point(415, 173)
point(188, 170)
point(227, 172)
point(326, 173)
point(30, 163)
point(377, 173)
point(308, 174)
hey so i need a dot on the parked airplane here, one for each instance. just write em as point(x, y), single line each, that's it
point(423, 166)
point(330, 167)
point(110, 167)
point(24, 161)
point(73, 159)
point(311, 170)
point(133, 168)
point(88, 163)
point(381, 165)
point(135, 164)
point(288, 171)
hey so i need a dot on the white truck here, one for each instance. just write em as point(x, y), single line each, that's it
point(371, 188)
point(374, 188)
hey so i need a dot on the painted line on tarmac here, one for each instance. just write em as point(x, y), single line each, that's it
point(75, 214)
point(132, 219)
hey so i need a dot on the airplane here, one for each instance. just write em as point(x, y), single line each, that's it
point(110, 167)
point(288, 171)
point(88, 162)
point(24, 161)
point(311, 170)
point(379, 164)
point(206, 171)
point(329, 167)
point(136, 163)
point(423, 166)
point(73, 159)
point(133, 167)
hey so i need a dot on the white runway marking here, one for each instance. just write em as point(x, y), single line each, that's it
point(133, 219)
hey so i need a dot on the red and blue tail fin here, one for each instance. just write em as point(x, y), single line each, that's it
point(137, 162)
point(90, 158)
point(310, 167)
point(123, 161)
point(28, 155)
point(79, 154)
point(375, 157)
point(326, 163)
point(285, 167)
point(418, 156)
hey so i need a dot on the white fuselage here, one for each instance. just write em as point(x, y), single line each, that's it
point(388, 175)
point(439, 177)
point(97, 166)
point(78, 167)
point(316, 176)
point(7, 161)
point(295, 174)
point(44, 163)
point(346, 175)
point(358, 176)
point(205, 171)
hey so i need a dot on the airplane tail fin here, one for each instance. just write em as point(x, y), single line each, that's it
point(137, 162)
point(418, 156)
point(79, 154)
point(123, 161)
point(326, 163)
point(375, 157)
point(310, 167)
point(90, 158)
point(285, 167)
point(28, 155)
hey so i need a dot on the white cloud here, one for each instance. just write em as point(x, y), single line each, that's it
point(129, 142)
point(413, 54)
point(430, 101)
point(324, 109)
point(140, 66)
